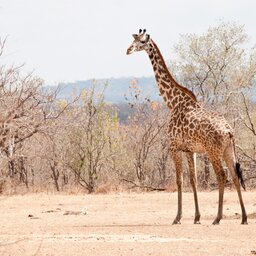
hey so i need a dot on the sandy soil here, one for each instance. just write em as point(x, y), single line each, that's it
point(124, 224)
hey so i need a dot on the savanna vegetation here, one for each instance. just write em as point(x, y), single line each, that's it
point(81, 144)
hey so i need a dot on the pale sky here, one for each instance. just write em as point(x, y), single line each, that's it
point(70, 40)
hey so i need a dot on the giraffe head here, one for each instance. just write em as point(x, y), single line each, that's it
point(140, 42)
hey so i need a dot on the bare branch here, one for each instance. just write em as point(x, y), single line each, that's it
point(142, 186)
point(250, 126)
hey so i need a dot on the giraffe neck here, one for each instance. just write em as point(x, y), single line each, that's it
point(173, 93)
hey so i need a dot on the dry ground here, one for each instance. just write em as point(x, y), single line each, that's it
point(123, 224)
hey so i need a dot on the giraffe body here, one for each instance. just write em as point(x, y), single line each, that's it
point(193, 132)
point(192, 129)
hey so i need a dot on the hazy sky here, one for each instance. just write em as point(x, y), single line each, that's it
point(69, 40)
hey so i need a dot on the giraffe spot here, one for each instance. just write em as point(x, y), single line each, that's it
point(162, 70)
point(185, 121)
point(175, 100)
point(175, 91)
point(182, 94)
point(161, 91)
point(179, 122)
point(185, 129)
point(191, 126)
point(161, 63)
point(165, 85)
point(157, 57)
point(168, 95)
point(159, 71)
point(166, 79)
point(178, 130)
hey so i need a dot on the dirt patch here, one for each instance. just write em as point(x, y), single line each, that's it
point(124, 224)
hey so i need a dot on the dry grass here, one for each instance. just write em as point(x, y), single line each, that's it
point(123, 224)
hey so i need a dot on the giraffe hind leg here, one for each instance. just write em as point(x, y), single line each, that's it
point(229, 157)
point(221, 178)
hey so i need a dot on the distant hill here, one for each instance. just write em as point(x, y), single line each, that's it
point(115, 90)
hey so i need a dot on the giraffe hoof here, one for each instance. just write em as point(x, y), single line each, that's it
point(176, 222)
point(216, 222)
point(197, 219)
point(244, 220)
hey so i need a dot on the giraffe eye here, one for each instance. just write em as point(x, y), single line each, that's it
point(145, 40)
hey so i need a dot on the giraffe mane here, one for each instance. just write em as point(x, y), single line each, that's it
point(182, 88)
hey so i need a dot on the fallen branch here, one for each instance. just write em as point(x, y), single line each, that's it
point(135, 185)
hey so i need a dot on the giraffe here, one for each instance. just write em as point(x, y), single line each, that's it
point(192, 129)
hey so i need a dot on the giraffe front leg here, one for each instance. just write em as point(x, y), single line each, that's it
point(179, 178)
point(193, 181)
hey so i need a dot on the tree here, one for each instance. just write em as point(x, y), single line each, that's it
point(216, 64)
point(247, 143)
point(147, 141)
point(90, 142)
point(26, 109)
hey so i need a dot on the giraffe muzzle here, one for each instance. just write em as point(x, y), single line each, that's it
point(129, 50)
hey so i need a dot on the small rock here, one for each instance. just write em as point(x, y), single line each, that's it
point(71, 213)
point(31, 216)
point(84, 211)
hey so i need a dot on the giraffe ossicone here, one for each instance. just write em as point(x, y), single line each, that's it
point(192, 129)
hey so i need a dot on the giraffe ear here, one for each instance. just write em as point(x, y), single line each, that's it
point(135, 36)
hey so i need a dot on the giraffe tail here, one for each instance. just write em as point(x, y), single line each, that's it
point(238, 167)
point(240, 175)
